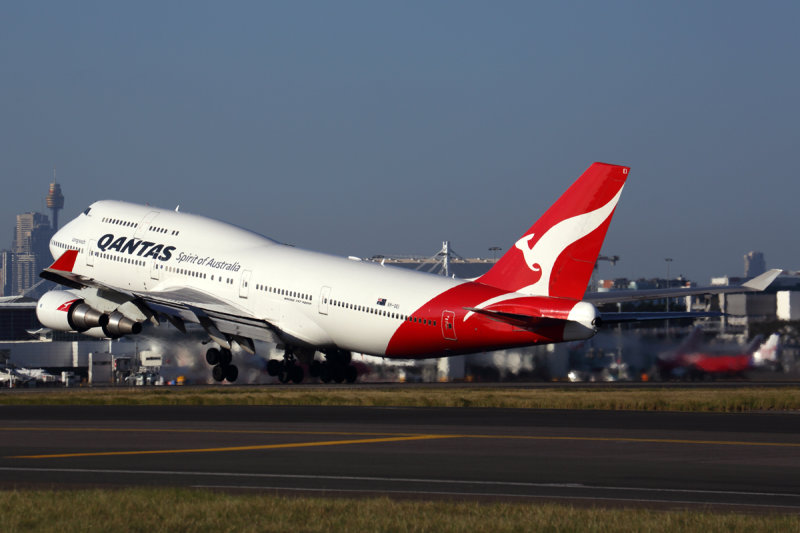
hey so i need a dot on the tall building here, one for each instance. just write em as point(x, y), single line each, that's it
point(55, 200)
point(754, 264)
point(29, 231)
point(31, 250)
point(6, 260)
point(25, 273)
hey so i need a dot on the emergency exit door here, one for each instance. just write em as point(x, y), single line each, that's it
point(448, 325)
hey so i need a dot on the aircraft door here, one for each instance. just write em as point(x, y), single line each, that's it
point(144, 224)
point(154, 274)
point(244, 288)
point(272, 307)
point(90, 253)
point(448, 325)
point(324, 296)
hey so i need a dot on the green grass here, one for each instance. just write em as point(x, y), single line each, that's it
point(567, 397)
point(179, 510)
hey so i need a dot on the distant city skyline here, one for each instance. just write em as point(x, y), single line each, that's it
point(360, 128)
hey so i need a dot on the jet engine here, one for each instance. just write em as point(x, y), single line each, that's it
point(119, 325)
point(64, 311)
point(67, 311)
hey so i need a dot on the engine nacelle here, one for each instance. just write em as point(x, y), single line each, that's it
point(97, 333)
point(119, 325)
point(64, 311)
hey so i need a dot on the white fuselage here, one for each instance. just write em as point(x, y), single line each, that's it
point(316, 299)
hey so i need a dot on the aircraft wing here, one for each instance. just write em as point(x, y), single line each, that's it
point(180, 305)
point(757, 284)
point(608, 319)
point(217, 316)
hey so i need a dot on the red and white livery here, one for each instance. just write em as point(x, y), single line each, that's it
point(126, 264)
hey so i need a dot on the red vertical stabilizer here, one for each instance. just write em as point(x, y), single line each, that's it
point(556, 256)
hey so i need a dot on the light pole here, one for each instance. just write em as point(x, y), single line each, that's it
point(494, 250)
point(668, 260)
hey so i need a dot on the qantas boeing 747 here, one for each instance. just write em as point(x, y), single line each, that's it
point(125, 264)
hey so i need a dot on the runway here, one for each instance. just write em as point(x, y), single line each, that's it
point(730, 461)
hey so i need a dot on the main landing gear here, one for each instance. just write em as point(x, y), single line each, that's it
point(220, 359)
point(287, 370)
point(336, 368)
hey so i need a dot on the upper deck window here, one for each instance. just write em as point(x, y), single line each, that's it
point(86, 211)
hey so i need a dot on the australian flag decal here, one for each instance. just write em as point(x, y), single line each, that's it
point(381, 301)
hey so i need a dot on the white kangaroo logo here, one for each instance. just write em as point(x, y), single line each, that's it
point(542, 256)
point(528, 252)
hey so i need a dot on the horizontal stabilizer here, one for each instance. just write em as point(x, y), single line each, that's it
point(531, 323)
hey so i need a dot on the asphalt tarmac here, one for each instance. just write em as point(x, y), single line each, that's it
point(728, 461)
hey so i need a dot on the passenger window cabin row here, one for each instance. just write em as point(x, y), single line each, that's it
point(118, 258)
point(64, 246)
point(283, 292)
point(380, 312)
point(129, 224)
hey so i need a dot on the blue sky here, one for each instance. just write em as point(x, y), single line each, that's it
point(362, 128)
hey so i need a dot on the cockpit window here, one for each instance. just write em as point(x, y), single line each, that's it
point(87, 210)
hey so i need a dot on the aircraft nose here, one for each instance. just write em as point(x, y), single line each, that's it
point(59, 242)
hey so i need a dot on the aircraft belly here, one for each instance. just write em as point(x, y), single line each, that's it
point(299, 325)
point(366, 336)
point(259, 333)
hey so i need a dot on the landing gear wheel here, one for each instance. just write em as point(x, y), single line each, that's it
point(274, 367)
point(314, 369)
point(338, 373)
point(212, 356)
point(231, 373)
point(285, 373)
point(325, 372)
point(350, 374)
point(225, 356)
point(296, 373)
point(218, 372)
